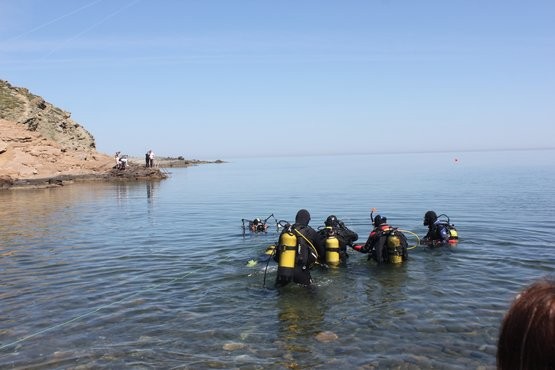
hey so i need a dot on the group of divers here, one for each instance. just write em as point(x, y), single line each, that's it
point(300, 247)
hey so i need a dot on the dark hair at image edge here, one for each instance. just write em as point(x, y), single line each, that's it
point(527, 335)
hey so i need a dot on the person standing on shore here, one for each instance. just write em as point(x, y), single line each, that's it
point(147, 159)
point(116, 157)
point(151, 158)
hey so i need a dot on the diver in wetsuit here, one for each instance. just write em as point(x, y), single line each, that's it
point(385, 244)
point(298, 249)
point(257, 225)
point(345, 237)
point(439, 231)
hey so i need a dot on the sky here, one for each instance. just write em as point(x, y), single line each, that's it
point(219, 79)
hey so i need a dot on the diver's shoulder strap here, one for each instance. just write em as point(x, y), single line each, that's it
point(310, 245)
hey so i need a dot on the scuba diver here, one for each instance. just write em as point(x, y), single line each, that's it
point(337, 238)
point(257, 225)
point(385, 244)
point(439, 231)
point(299, 248)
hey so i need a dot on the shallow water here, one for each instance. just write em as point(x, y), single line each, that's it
point(154, 275)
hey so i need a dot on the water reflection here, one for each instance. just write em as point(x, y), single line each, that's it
point(34, 214)
point(125, 190)
point(300, 313)
point(149, 191)
point(386, 287)
point(386, 296)
point(122, 192)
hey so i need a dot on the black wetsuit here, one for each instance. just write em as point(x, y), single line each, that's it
point(310, 251)
point(376, 245)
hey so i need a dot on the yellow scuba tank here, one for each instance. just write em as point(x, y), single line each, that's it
point(394, 249)
point(332, 248)
point(453, 235)
point(288, 253)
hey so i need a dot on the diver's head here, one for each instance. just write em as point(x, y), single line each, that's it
point(331, 221)
point(429, 218)
point(302, 217)
point(378, 220)
point(257, 221)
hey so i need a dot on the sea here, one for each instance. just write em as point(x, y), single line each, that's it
point(155, 275)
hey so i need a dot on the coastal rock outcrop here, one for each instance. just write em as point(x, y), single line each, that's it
point(19, 105)
point(27, 157)
point(40, 146)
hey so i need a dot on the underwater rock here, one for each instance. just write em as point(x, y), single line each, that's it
point(326, 336)
point(233, 346)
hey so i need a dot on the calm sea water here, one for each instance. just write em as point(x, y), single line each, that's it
point(153, 274)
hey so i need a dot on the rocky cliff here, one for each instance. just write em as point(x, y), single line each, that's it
point(27, 157)
point(40, 145)
point(35, 114)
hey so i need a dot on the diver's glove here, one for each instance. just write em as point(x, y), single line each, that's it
point(357, 247)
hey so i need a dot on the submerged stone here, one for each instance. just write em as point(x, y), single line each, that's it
point(233, 346)
point(326, 336)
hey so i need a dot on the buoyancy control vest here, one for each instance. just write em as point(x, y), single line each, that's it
point(445, 232)
point(390, 245)
point(382, 228)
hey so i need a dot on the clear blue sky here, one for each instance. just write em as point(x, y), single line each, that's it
point(211, 79)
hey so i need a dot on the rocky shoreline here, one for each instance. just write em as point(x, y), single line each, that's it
point(133, 172)
point(42, 147)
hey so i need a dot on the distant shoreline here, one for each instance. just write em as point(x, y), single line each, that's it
point(135, 171)
point(169, 162)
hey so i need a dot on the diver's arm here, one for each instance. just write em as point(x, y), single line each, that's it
point(367, 247)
